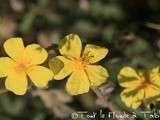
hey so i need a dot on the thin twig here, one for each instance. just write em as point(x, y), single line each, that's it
point(102, 97)
point(107, 103)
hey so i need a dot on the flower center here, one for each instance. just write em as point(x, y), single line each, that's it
point(22, 66)
point(145, 84)
point(145, 78)
point(79, 64)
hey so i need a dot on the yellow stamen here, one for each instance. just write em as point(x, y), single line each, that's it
point(79, 64)
point(145, 80)
point(22, 66)
point(87, 57)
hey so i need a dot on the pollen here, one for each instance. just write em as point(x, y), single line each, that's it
point(145, 80)
point(145, 84)
point(79, 64)
point(22, 66)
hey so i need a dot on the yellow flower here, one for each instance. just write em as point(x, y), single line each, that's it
point(139, 86)
point(81, 66)
point(22, 62)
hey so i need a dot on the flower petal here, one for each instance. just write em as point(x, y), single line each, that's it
point(6, 66)
point(40, 75)
point(128, 77)
point(155, 76)
point(61, 67)
point(93, 53)
point(151, 91)
point(36, 53)
point(78, 83)
point(16, 83)
point(132, 97)
point(96, 74)
point(14, 47)
point(71, 46)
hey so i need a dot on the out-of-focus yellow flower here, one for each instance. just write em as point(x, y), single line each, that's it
point(22, 62)
point(139, 86)
point(84, 73)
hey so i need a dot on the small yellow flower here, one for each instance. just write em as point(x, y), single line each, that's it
point(139, 86)
point(81, 66)
point(22, 62)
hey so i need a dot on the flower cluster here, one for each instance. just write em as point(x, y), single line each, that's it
point(80, 64)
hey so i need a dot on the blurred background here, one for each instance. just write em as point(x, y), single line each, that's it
point(130, 29)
